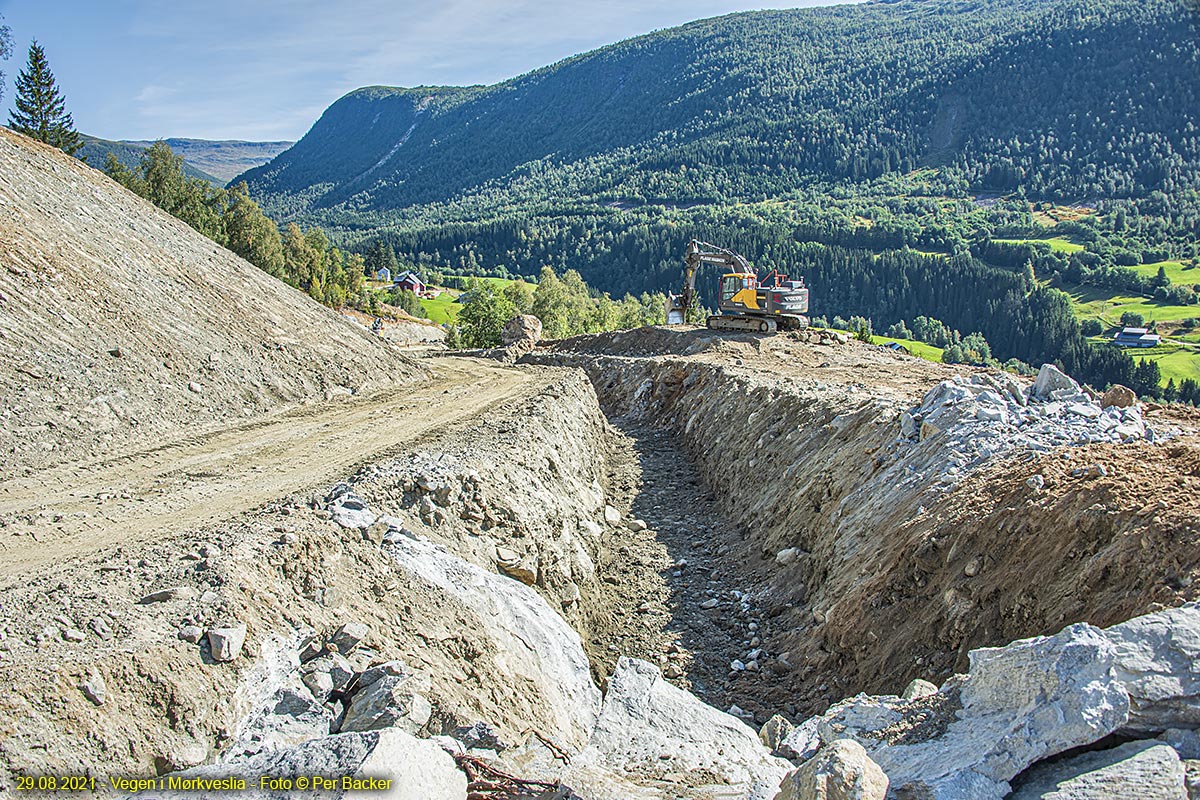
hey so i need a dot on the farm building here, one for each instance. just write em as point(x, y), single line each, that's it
point(383, 274)
point(409, 280)
point(1137, 337)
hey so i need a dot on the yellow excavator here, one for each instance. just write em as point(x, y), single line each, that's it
point(745, 302)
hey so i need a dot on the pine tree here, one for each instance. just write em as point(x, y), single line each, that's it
point(40, 111)
point(6, 47)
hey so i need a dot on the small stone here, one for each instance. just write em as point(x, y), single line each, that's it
point(347, 637)
point(164, 595)
point(116, 352)
point(637, 525)
point(774, 732)
point(841, 770)
point(710, 603)
point(918, 688)
point(73, 635)
point(319, 683)
point(787, 556)
point(737, 666)
point(973, 566)
point(226, 643)
point(1035, 482)
point(195, 388)
point(372, 674)
point(611, 515)
point(93, 687)
point(98, 626)
point(191, 633)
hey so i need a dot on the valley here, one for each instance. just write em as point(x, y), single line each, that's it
point(378, 473)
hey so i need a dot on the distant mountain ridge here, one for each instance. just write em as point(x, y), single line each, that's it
point(223, 159)
point(216, 161)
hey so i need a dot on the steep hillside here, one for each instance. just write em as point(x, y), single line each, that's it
point(119, 323)
point(223, 159)
point(1061, 97)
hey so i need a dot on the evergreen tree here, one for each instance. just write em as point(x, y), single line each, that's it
point(6, 46)
point(40, 111)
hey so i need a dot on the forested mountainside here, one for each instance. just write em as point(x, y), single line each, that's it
point(1065, 98)
point(816, 140)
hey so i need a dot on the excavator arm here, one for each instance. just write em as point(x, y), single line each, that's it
point(699, 253)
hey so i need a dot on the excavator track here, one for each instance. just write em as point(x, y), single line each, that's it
point(731, 322)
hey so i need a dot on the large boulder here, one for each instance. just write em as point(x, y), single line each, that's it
point(1156, 658)
point(1118, 396)
point(415, 769)
point(1052, 379)
point(650, 730)
point(1143, 770)
point(1017, 705)
point(523, 328)
point(840, 771)
point(392, 701)
point(542, 653)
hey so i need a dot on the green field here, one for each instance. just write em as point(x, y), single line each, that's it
point(443, 308)
point(1177, 272)
point(1058, 244)
point(1102, 304)
point(1174, 361)
point(918, 349)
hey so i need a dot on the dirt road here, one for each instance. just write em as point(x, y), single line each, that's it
point(74, 509)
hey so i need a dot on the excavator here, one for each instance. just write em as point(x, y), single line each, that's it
point(745, 302)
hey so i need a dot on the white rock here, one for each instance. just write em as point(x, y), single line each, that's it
point(651, 729)
point(611, 515)
point(351, 511)
point(418, 769)
point(226, 643)
point(94, 688)
point(918, 687)
point(787, 556)
point(541, 651)
point(1144, 770)
point(1018, 705)
point(1050, 379)
point(393, 701)
point(842, 770)
point(1156, 658)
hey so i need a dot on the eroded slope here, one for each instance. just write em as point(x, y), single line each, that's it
point(121, 326)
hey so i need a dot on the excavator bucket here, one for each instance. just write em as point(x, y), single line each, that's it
point(675, 312)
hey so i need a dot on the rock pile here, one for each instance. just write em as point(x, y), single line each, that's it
point(986, 415)
point(1024, 703)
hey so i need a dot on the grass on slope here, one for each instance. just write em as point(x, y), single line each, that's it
point(442, 309)
point(1174, 361)
point(1178, 273)
point(1059, 244)
point(1107, 306)
point(918, 349)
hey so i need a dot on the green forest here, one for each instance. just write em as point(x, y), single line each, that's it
point(997, 165)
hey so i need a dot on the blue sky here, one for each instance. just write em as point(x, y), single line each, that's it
point(266, 69)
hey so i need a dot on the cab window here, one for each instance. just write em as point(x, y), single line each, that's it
point(730, 285)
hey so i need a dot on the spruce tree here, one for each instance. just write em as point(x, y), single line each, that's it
point(6, 48)
point(41, 108)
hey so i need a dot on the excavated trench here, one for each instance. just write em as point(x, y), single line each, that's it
point(751, 516)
